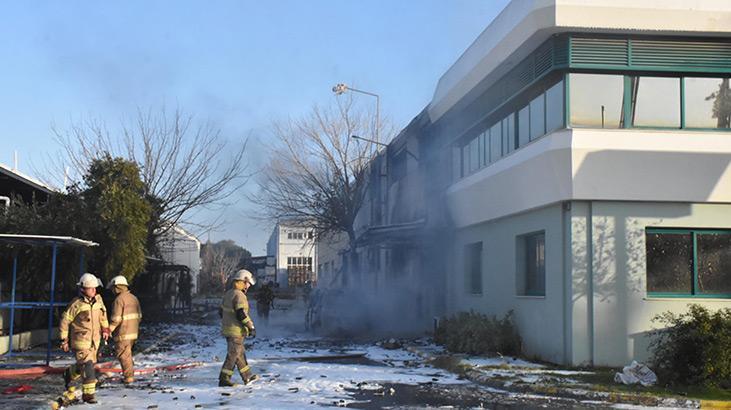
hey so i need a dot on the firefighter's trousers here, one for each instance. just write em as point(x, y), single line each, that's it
point(123, 351)
point(84, 366)
point(235, 358)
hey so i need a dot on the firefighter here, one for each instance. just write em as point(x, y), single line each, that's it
point(85, 322)
point(264, 301)
point(126, 316)
point(236, 325)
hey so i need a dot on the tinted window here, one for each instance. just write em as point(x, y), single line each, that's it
point(655, 102)
point(596, 100)
point(707, 103)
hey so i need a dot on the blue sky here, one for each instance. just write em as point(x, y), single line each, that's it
point(240, 64)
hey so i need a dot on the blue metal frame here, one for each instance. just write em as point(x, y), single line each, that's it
point(50, 305)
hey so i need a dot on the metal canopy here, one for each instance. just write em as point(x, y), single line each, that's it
point(40, 240)
point(35, 240)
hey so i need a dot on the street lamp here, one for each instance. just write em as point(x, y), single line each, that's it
point(341, 88)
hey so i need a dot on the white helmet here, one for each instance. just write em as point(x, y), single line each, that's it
point(88, 280)
point(244, 275)
point(117, 280)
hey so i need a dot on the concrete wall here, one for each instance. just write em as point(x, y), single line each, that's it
point(612, 324)
point(540, 319)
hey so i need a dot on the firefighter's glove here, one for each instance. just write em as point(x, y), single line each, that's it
point(65, 345)
point(252, 332)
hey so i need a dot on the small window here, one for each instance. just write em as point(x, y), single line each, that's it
point(509, 134)
point(496, 140)
point(537, 117)
point(474, 155)
point(310, 234)
point(531, 254)
point(473, 267)
point(524, 126)
point(289, 235)
point(554, 107)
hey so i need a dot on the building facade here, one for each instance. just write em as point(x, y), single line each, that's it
point(178, 247)
point(576, 165)
point(295, 254)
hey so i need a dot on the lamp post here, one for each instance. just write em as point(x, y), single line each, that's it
point(341, 88)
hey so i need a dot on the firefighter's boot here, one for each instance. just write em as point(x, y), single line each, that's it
point(89, 398)
point(224, 380)
point(67, 378)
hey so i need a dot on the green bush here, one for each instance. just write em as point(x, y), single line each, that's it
point(694, 348)
point(476, 333)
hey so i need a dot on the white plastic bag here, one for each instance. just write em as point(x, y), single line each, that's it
point(636, 373)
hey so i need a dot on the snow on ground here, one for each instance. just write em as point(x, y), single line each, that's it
point(285, 382)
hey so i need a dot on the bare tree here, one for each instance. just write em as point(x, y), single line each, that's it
point(218, 262)
point(317, 174)
point(185, 165)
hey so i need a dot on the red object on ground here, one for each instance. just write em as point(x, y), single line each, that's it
point(105, 367)
point(17, 389)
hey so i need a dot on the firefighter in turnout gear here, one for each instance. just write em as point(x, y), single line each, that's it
point(126, 316)
point(83, 325)
point(236, 325)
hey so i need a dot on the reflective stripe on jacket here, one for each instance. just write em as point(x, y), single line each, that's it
point(234, 300)
point(83, 321)
point(126, 316)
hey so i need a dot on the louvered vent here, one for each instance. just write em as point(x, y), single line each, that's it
point(599, 51)
point(681, 54)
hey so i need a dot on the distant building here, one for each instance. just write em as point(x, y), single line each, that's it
point(263, 268)
point(295, 254)
point(179, 247)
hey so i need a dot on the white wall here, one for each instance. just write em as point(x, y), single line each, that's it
point(540, 320)
point(614, 321)
point(586, 164)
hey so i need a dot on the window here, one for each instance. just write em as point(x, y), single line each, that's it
point(299, 270)
point(482, 147)
point(707, 103)
point(466, 160)
point(554, 107)
point(473, 268)
point(474, 155)
point(596, 100)
point(495, 142)
point(688, 262)
point(509, 134)
point(537, 119)
point(655, 102)
point(531, 254)
point(523, 126)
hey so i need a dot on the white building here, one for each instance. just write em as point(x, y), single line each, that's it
point(179, 247)
point(295, 254)
point(577, 158)
point(330, 253)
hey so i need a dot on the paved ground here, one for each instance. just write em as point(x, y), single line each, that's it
point(290, 378)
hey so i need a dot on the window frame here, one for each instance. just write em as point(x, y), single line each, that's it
point(694, 251)
point(522, 263)
point(469, 268)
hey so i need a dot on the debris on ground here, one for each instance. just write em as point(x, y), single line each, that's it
point(636, 373)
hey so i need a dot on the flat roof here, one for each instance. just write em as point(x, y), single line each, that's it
point(44, 240)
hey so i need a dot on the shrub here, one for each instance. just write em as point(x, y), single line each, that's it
point(476, 333)
point(694, 348)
